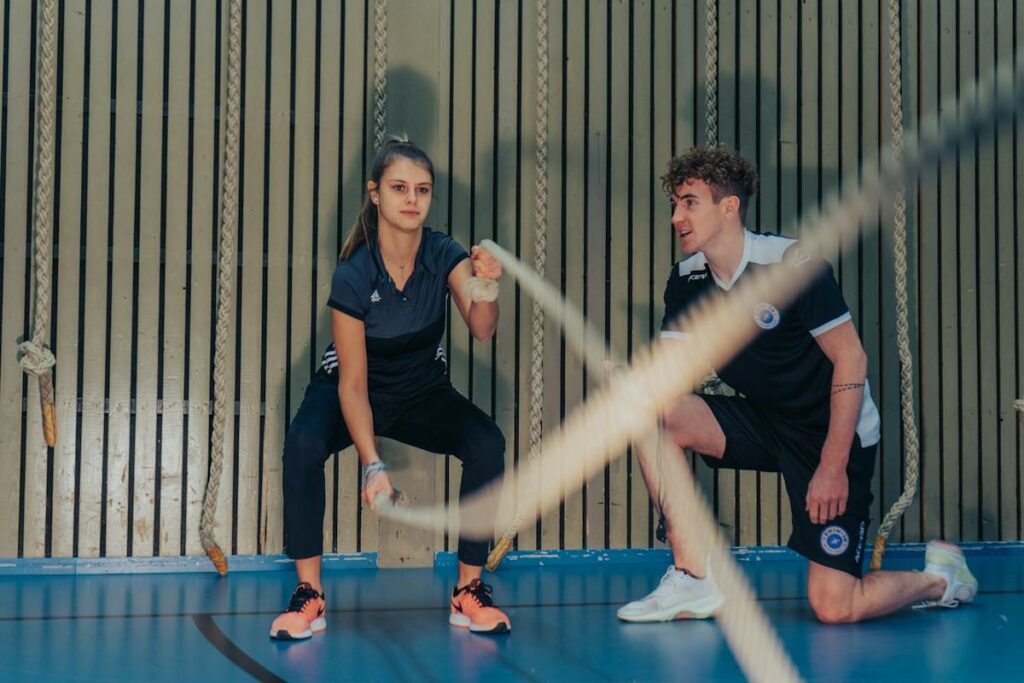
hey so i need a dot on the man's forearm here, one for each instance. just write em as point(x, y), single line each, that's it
point(848, 378)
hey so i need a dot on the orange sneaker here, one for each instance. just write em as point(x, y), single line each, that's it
point(473, 608)
point(304, 616)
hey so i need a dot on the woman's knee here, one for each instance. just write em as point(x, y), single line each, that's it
point(483, 446)
point(304, 449)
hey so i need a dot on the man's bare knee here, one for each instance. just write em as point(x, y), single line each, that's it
point(691, 424)
point(833, 609)
point(832, 596)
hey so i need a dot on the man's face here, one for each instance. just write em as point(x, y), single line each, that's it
point(696, 217)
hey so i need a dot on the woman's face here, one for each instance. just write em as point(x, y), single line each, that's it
point(402, 196)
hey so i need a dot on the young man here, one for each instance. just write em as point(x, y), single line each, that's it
point(804, 410)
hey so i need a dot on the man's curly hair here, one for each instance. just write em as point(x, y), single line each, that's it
point(725, 172)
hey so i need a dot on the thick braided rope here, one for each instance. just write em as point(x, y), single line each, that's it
point(36, 358)
point(539, 262)
point(750, 635)
point(225, 286)
point(712, 72)
point(910, 441)
point(600, 429)
point(380, 70)
point(711, 383)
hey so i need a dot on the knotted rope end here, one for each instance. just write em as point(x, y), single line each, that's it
point(498, 553)
point(482, 289)
point(220, 562)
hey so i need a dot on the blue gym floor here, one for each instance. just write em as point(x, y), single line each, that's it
point(391, 625)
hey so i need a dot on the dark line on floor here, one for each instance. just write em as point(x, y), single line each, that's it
point(235, 654)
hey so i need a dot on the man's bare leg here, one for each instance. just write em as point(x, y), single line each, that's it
point(839, 598)
point(691, 424)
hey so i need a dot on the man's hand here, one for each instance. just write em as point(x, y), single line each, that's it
point(827, 493)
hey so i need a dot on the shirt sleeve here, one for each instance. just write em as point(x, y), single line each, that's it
point(451, 254)
point(676, 303)
point(344, 292)
point(821, 305)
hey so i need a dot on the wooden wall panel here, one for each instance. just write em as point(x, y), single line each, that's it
point(802, 90)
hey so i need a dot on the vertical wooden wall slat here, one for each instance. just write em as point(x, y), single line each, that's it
point(986, 230)
point(96, 215)
point(748, 143)
point(67, 272)
point(1007, 268)
point(575, 218)
point(643, 43)
point(553, 523)
point(967, 290)
point(204, 151)
point(595, 214)
point(947, 280)
point(172, 389)
point(279, 409)
point(353, 526)
point(929, 360)
point(17, 193)
point(122, 344)
point(327, 222)
point(251, 319)
point(618, 236)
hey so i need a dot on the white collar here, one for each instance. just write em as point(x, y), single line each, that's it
point(744, 260)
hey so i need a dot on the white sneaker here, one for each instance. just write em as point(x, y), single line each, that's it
point(678, 596)
point(948, 563)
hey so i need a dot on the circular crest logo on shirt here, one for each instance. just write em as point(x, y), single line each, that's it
point(835, 540)
point(766, 316)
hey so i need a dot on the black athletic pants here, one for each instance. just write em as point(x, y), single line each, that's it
point(441, 421)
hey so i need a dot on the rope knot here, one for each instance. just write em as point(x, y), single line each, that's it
point(35, 360)
point(482, 289)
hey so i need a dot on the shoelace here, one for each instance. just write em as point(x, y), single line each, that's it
point(302, 595)
point(479, 590)
point(937, 603)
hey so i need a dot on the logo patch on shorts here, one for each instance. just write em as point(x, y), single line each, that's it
point(835, 540)
point(766, 316)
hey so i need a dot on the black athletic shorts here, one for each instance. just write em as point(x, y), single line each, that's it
point(765, 442)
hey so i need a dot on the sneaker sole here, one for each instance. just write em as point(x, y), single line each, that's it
point(462, 621)
point(702, 609)
point(318, 626)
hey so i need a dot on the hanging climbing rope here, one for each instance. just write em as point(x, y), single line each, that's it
point(225, 287)
point(712, 384)
point(35, 355)
point(380, 70)
point(711, 48)
point(910, 441)
point(504, 543)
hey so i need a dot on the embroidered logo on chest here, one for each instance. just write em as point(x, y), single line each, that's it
point(375, 297)
point(767, 316)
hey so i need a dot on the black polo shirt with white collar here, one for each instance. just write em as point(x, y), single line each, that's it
point(403, 328)
point(783, 369)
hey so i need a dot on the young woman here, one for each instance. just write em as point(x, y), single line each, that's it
point(385, 375)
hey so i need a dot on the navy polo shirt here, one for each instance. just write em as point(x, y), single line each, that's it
point(403, 328)
point(783, 370)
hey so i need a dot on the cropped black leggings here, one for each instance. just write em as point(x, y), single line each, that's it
point(440, 421)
